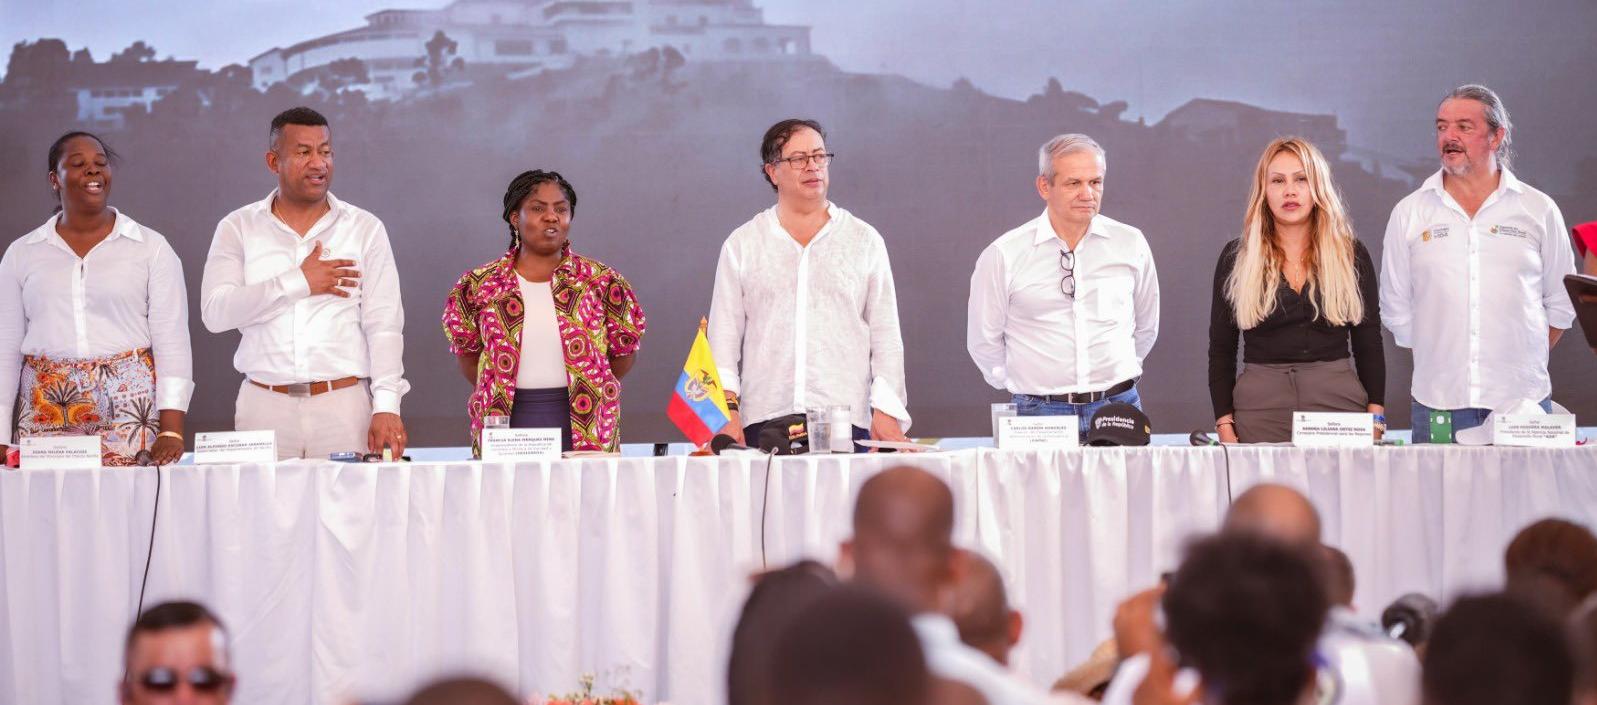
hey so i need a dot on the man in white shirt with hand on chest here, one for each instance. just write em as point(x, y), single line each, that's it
point(310, 283)
point(1064, 308)
point(804, 313)
point(1472, 274)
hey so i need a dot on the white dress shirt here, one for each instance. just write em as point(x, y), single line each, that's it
point(948, 657)
point(1475, 297)
point(126, 294)
point(1028, 337)
point(796, 327)
point(252, 282)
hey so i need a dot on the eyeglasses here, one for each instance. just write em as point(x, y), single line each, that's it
point(1067, 262)
point(203, 679)
point(800, 161)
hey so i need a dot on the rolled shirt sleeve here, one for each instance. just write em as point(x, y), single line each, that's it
point(887, 393)
point(725, 328)
point(1558, 260)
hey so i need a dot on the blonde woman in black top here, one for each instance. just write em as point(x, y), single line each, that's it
point(1300, 292)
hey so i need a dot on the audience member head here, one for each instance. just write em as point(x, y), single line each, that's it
point(981, 608)
point(903, 537)
point(1275, 511)
point(1497, 650)
point(775, 598)
point(462, 690)
point(1246, 612)
point(300, 152)
point(1553, 562)
point(1340, 583)
point(176, 653)
point(851, 646)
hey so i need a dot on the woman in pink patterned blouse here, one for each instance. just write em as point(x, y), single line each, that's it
point(543, 333)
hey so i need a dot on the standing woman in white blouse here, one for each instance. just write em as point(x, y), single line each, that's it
point(94, 336)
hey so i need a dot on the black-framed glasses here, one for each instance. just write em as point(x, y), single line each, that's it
point(203, 679)
point(1067, 262)
point(800, 161)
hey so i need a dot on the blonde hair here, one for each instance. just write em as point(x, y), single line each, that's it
point(1332, 286)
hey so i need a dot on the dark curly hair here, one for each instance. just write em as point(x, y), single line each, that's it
point(1246, 612)
point(1491, 649)
point(523, 185)
point(777, 137)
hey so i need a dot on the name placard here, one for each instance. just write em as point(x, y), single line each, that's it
point(1533, 430)
point(1024, 432)
point(227, 447)
point(1321, 429)
point(60, 452)
point(512, 444)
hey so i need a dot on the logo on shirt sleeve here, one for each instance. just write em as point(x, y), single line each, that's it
point(1435, 232)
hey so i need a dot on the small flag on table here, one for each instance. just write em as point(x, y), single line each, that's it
point(698, 406)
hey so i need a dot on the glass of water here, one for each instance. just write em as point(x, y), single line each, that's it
point(819, 426)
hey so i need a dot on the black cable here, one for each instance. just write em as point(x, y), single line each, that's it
point(765, 503)
point(1227, 452)
point(150, 553)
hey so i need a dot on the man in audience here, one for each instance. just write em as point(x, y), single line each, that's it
point(1276, 511)
point(1498, 650)
point(981, 609)
point(850, 646)
point(773, 601)
point(462, 691)
point(903, 547)
point(1245, 612)
point(1554, 563)
point(176, 653)
point(1372, 668)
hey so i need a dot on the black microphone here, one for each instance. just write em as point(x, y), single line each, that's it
point(1409, 618)
point(724, 442)
point(1202, 438)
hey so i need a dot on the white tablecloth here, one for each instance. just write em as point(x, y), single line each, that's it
point(341, 580)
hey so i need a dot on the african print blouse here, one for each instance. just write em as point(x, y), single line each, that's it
point(599, 318)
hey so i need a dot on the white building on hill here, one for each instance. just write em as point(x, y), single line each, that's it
point(524, 35)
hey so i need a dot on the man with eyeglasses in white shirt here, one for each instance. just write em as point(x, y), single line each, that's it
point(1472, 274)
point(310, 283)
point(1064, 309)
point(804, 313)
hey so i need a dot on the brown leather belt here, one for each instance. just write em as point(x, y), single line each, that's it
point(309, 389)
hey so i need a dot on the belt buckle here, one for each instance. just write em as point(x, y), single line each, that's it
point(297, 389)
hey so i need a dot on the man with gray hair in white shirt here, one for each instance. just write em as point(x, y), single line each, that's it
point(1472, 275)
point(310, 283)
point(804, 313)
point(1064, 308)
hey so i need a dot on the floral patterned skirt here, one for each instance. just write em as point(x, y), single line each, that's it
point(112, 397)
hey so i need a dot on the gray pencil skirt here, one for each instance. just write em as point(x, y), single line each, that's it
point(1267, 394)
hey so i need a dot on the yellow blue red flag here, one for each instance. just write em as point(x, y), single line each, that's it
point(698, 406)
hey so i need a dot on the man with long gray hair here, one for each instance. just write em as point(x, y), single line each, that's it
point(1472, 272)
point(1064, 308)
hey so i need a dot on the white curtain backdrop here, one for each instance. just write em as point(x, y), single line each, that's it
point(342, 581)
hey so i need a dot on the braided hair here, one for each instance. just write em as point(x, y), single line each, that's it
point(523, 185)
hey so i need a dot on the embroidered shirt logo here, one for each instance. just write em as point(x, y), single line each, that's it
point(1434, 233)
point(1510, 231)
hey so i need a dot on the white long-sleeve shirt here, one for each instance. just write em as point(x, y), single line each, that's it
point(1028, 337)
point(1475, 297)
point(126, 293)
point(252, 282)
point(796, 327)
point(948, 657)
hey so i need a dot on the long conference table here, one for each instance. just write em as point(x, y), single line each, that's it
point(345, 582)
